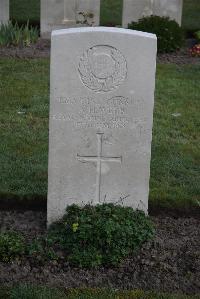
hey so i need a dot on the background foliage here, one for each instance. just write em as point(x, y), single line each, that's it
point(168, 32)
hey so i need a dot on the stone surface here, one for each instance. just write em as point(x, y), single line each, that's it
point(4, 11)
point(101, 113)
point(136, 9)
point(60, 14)
point(171, 8)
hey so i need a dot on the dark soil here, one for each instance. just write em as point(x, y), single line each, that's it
point(169, 263)
point(39, 50)
point(180, 57)
point(42, 49)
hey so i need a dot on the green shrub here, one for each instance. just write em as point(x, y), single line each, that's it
point(14, 35)
point(100, 235)
point(169, 33)
point(12, 246)
point(197, 35)
point(40, 250)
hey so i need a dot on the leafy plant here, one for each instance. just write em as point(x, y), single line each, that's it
point(12, 246)
point(14, 35)
point(169, 33)
point(40, 250)
point(100, 235)
point(86, 18)
point(197, 35)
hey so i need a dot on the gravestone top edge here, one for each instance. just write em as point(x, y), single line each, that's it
point(61, 32)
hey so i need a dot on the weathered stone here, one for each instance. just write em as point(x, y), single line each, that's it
point(4, 11)
point(59, 14)
point(101, 113)
point(136, 9)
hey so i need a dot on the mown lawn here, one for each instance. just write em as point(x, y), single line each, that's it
point(31, 292)
point(24, 105)
point(22, 10)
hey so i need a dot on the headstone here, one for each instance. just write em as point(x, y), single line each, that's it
point(171, 8)
point(59, 14)
point(101, 113)
point(4, 11)
point(69, 13)
point(133, 10)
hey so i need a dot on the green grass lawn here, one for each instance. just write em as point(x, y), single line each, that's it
point(30, 292)
point(24, 105)
point(22, 10)
point(24, 94)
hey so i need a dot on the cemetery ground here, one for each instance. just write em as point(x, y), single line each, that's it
point(169, 263)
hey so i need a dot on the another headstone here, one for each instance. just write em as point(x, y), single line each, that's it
point(59, 14)
point(136, 9)
point(4, 11)
point(171, 8)
point(101, 113)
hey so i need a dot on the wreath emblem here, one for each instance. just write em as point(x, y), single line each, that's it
point(102, 68)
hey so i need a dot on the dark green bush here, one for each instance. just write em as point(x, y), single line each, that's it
point(12, 245)
point(100, 235)
point(197, 35)
point(14, 35)
point(40, 250)
point(169, 33)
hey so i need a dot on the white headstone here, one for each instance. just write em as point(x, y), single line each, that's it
point(133, 10)
point(170, 8)
point(59, 14)
point(4, 11)
point(101, 113)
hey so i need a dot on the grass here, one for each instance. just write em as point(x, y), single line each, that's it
point(175, 171)
point(24, 94)
point(31, 292)
point(24, 105)
point(22, 10)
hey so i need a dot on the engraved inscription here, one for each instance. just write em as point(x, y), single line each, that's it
point(99, 159)
point(90, 113)
point(102, 68)
point(111, 113)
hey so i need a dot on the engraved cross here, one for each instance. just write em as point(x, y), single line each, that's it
point(98, 160)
